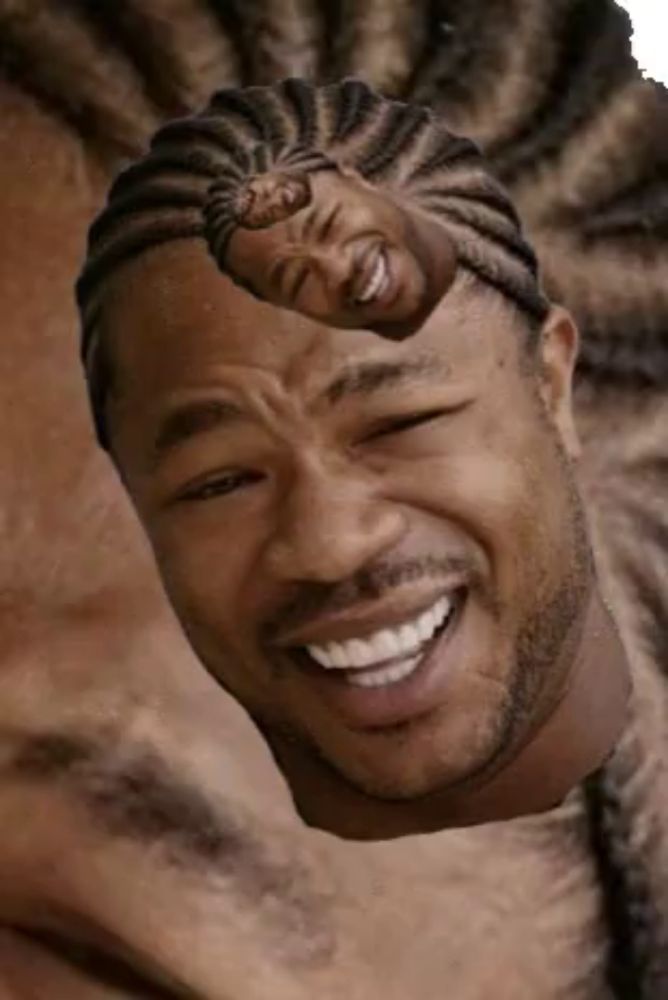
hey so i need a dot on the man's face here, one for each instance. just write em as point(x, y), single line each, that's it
point(376, 547)
point(351, 257)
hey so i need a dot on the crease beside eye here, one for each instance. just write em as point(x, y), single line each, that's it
point(396, 425)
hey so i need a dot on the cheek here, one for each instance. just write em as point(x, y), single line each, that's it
point(315, 300)
point(413, 278)
point(486, 493)
point(203, 565)
point(207, 576)
point(504, 492)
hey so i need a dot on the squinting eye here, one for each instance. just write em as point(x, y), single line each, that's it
point(396, 425)
point(220, 486)
point(298, 280)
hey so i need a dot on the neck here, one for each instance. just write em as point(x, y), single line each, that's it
point(573, 741)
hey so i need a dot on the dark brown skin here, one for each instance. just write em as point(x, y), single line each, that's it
point(509, 911)
point(270, 198)
point(575, 738)
point(320, 260)
point(279, 519)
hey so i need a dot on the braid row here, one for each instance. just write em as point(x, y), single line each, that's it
point(296, 126)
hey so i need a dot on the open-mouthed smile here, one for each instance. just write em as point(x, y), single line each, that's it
point(387, 655)
point(386, 676)
point(372, 278)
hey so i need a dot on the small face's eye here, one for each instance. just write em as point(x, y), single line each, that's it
point(298, 279)
point(218, 486)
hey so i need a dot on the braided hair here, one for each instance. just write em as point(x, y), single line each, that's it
point(193, 180)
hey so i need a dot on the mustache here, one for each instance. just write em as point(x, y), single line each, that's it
point(309, 600)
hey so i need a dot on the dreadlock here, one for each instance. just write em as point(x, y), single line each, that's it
point(191, 184)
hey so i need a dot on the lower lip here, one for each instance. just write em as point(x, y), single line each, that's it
point(392, 704)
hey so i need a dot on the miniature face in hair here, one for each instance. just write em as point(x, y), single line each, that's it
point(336, 249)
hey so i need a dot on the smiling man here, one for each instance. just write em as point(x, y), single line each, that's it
point(332, 247)
point(354, 460)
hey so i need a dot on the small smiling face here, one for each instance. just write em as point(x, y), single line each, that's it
point(351, 257)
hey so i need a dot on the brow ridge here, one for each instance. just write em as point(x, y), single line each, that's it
point(363, 378)
point(367, 377)
point(190, 419)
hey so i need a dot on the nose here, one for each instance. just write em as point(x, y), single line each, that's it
point(331, 524)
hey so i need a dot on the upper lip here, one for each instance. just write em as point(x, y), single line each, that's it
point(367, 618)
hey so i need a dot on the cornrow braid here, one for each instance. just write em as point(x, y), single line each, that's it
point(637, 965)
point(301, 98)
point(193, 183)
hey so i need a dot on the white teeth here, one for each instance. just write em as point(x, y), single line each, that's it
point(386, 675)
point(410, 637)
point(425, 625)
point(375, 282)
point(357, 652)
point(337, 654)
point(387, 644)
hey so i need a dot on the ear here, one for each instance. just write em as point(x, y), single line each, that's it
point(559, 350)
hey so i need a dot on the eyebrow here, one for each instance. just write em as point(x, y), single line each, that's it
point(194, 418)
point(364, 378)
point(371, 376)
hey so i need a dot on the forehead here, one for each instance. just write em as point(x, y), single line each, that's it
point(172, 315)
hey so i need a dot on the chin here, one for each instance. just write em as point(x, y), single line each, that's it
point(403, 766)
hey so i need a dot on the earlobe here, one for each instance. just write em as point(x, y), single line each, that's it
point(559, 350)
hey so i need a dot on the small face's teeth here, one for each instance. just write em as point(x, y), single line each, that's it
point(425, 625)
point(375, 282)
point(386, 675)
point(386, 644)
